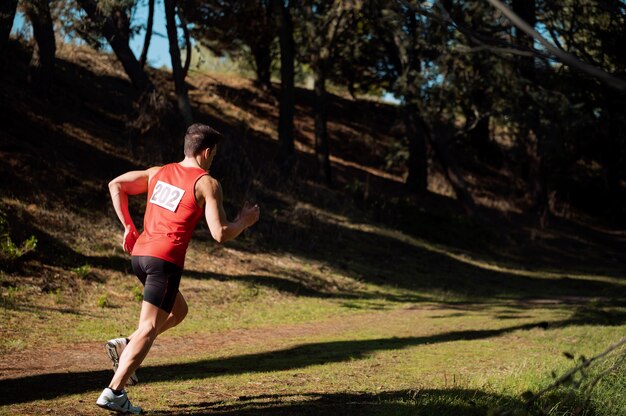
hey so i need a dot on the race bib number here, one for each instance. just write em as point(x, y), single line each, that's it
point(166, 196)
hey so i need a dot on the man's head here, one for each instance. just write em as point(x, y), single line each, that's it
point(200, 137)
point(202, 140)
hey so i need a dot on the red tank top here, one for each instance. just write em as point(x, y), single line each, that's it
point(171, 214)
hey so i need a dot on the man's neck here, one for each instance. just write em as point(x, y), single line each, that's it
point(190, 162)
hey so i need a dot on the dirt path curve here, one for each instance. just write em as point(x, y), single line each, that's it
point(90, 356)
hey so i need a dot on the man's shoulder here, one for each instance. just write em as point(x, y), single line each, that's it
point(208, 183)
point(153, 171)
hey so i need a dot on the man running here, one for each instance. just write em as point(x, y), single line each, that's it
point(178, 195)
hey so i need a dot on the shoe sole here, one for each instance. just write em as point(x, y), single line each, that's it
point(116, 409)
point(112, 353)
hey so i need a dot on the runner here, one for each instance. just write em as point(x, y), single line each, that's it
point(178, 195)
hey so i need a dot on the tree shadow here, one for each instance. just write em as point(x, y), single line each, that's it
point(364, 256)
point(435, 402)
point(55, 252)
point(367, 256)
point(50, 386)
point(64, 171)
point(305, 288)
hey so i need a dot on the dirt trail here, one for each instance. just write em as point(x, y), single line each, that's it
point(90, 356)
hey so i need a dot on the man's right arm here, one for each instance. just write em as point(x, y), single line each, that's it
point(221, 229)
point(130, 183)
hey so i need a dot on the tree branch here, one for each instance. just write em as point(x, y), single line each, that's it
point(147, 38)
point(484, 43)
point(565, 377)
point(563, 56)
point(183, 23)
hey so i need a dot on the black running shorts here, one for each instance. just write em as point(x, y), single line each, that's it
point(160, 280)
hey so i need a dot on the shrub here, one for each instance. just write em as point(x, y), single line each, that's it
point(137, 293)
point(82, 271)
point(103, 301)
point(9, 251)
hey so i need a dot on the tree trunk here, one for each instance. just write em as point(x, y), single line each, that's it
point(480, 139)
point(611, 158)
point(263, 63)
point(530, 132)
point(119, 43)
point(417, 178)
point(183, 23)
point(441, 135)
point(479, 136)
point(286, 149)
point(321, 117)
point(7, 15)
point(537, 174)
point(538, 184)
point(42, 62)
point(179, 81)
point(148, 37)
point(526, 10)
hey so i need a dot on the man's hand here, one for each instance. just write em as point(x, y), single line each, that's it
point(249, 214)
point(130, 238)
point(221, 229)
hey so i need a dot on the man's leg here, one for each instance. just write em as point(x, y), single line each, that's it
point(150, 320)
point(179, 311)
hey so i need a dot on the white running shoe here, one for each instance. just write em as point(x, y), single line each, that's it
point(110, 401)
point(114, 348)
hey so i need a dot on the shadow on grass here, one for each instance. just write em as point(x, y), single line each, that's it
point(448, 402)
point(376, 259)
point(365, 257)
point(305, 287)
point(50, 386)
point(387, 261)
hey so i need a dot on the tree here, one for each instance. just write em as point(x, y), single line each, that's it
point(7, 15)
point(540, 90)
point(286, 151)
point(179, 76)
point(396, 26)
point(115, 27)
point(568, 59)
point(231, 26)
point(595, 31)
point(154, 111)
point(419, 46)
point(42, 62)
point(530, 130)
point(323, 26)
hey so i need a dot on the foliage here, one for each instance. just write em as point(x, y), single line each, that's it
point(9, 251)
point(82, 271)
point(137, 293)
point(72, 22)
point(104, 301)
point(240, 29)
point(452, 62)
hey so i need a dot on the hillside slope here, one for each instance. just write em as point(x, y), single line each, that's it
point(61, 151)
point(353, 299)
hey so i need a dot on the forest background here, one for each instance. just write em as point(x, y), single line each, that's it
point(458, 162)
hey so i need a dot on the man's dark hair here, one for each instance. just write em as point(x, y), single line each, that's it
point(200, 137)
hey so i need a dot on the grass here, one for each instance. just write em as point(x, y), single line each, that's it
point(436, 331)
point(270, 335)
